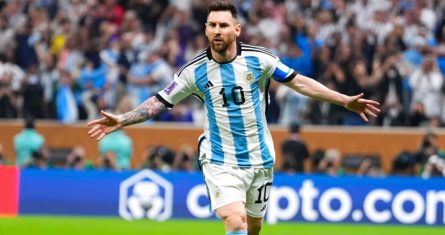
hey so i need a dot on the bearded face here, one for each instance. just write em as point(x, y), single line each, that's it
point(221, 30)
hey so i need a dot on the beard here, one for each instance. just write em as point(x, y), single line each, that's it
point(220, 46)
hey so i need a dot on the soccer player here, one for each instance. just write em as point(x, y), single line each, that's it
point(236, 150)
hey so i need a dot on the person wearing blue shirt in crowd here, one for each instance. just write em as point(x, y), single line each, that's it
point(93, 80)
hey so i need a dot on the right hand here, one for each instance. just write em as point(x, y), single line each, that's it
point(103, 126)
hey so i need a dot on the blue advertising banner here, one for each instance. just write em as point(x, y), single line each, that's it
point(161, 196)
point(405, 200)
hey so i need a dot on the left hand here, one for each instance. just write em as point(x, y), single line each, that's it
point(363, 107)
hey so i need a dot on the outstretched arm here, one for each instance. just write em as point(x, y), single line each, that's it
point(110, 122)
point(316, 90)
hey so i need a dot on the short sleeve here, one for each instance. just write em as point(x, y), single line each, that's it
point(277, 70)
point(176, 90)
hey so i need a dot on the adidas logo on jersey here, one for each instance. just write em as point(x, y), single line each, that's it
point(208, 85)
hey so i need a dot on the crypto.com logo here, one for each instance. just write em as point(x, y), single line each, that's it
point(145, 195)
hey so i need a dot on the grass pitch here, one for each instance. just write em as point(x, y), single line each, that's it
point(52, 225)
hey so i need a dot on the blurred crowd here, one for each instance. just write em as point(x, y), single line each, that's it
point(68, 59)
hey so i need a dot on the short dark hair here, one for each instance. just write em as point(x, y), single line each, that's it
point(223, 6)
point(29, 122)
point(294, 127)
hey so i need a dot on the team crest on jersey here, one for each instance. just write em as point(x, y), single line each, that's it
point(249, 78)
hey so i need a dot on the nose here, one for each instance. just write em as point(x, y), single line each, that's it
point(217, 30)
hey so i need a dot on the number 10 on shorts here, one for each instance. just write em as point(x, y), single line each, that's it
point(263, 193)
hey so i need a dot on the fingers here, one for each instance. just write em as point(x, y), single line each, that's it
point(363, 116)
point(92, 130)
point(102, 120)
point(107, 115)
point(97, 121)
point(367, 111)
point(370, 111)
point(373, 108)
point(101, 136)
point(370, 107)
point(371, 102)
point(96, 133)
point(356, 97)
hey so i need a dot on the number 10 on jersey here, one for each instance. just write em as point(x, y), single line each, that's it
point(237, 94)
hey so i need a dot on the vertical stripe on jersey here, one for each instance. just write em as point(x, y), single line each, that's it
point(253, 64)
point(215, 139)
point(235, 116)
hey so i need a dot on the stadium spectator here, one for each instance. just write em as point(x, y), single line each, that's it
point(24, 53)
point(388, 86)
point(367, 168)
point(110, 11)
point(417, 116)
point(65, 97)
point(33, 93)
point(6, 35)
point(93, 81)
point(149, 12)
point(108, 161)
point(76, 158)
point(28, 143)
point(195, 46)
point(330, 164)
point(185, 159)
point(404, 164)
point(138, 79)
point(127, 57)
point(435, 166)
point(8, 98)
point(428, 147)
point(426, 83)
point(294, 152)
point(38, 159)
point(158, 158)
point(293, 106)
point(109, 58)
point(160, 72)
point(231, 77)
point(11, 79)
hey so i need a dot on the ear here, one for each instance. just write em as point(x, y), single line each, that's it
point(237, 29)
point(205, 29)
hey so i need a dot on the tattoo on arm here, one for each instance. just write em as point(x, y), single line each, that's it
point(150, 108)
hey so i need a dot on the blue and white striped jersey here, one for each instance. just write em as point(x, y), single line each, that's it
point(235, 96)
